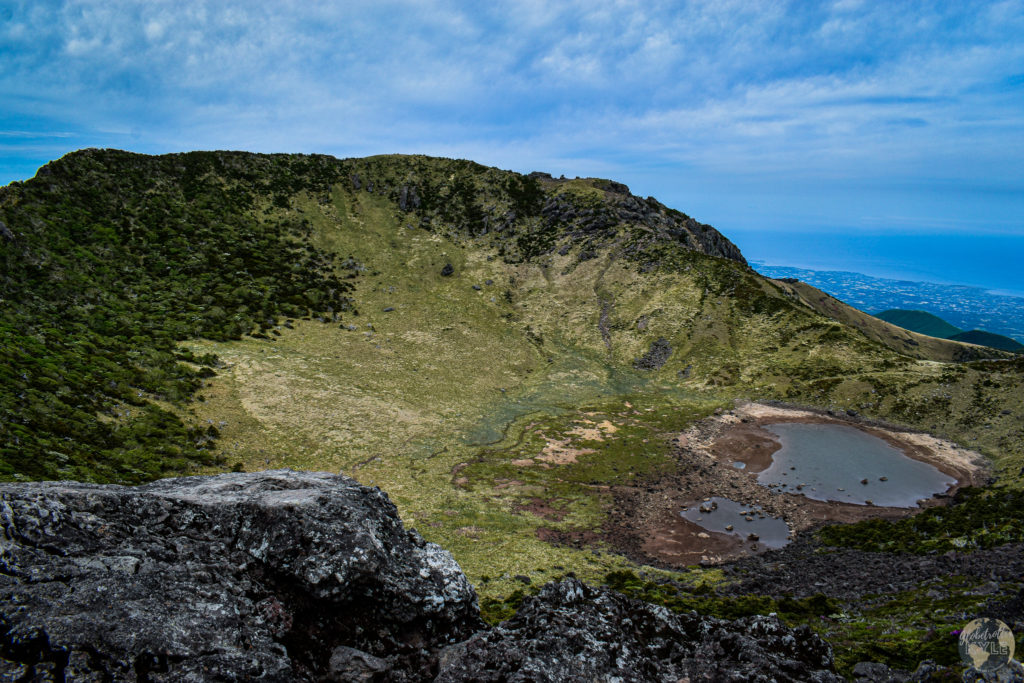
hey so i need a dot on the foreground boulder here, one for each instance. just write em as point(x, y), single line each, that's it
point(267, 576)
point(297, 576)
point(572, 632)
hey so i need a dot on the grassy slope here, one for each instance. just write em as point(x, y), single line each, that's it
point(435, 400)
point(921, 322)
point(990, 339)
point(901, 339)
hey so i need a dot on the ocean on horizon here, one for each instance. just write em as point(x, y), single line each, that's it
point(991, 262)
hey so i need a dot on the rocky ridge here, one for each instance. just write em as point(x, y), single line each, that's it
point(282, 576)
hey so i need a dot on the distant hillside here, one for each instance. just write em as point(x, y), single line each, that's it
point(897, 337)
point(995, 341)
point(926, 323)
point(921, 322)
point(966, 307)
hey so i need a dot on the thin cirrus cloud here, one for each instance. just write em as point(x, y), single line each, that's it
point(685, 100)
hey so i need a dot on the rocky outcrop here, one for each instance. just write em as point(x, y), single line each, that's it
point(270, 576)
point(572, 632)
point(656, 357)
point(801, 569)
point(291, 576)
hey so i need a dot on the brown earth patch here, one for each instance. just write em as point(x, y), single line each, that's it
point(561, 452)
point(542, 508)
point(584, 538)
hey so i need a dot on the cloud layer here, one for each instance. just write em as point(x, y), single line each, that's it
point(747, 114)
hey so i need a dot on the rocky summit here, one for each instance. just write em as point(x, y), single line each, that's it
point(282, 576)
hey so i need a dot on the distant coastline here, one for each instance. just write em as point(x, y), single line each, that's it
point(965, 306)
point(991, 262)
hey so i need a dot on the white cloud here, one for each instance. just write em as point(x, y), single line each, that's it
point(737, 87)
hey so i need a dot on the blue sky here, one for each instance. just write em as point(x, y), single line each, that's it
point(756, 117)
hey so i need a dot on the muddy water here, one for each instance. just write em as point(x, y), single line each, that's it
point(846, 464)
point(771, 531)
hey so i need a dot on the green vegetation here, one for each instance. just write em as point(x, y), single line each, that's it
point(701, 598)
point(207, 311)
point(115, 260)
point(926, 323)
point(897, 629)
point(921, 322)
point(978, 518)
point(903, 341)
point(990, 339)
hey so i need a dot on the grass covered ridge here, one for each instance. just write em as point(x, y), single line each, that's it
point(192, 313)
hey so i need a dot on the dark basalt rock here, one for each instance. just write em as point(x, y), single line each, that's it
point(267, 576)
point(572, 632)
point(408, 198)
point(656, 357)
point(448, 270)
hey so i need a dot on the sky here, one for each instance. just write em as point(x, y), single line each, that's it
point(766, 119)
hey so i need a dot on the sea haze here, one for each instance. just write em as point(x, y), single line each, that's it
point(990, 261)
point(969, 308)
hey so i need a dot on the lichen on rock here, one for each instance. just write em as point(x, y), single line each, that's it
point(235, 577)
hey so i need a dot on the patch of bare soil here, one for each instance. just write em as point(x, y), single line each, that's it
point(542, 508)
point(645, 523)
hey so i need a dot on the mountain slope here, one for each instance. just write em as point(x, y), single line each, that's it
point(927, 324)
point(111, 259)
point(895, 337)
point(990, 339)
point(921, 322)
point(496, 351)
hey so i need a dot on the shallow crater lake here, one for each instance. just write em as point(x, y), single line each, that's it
point(849, 465)
point(726, 516)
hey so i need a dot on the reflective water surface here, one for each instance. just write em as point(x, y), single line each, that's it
point(837, 462)
point(718, 514)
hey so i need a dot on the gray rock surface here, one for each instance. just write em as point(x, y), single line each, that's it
point(572, 632)
point(656, 357)
point(267, 576)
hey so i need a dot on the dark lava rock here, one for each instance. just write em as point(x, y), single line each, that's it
point(447, 270)
point(656, 356)
point(408, 198)
point(267, 576)
point(1011, 672)
point(572, 632)
point(874, 672)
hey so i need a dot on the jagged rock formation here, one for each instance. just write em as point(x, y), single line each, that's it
point(572, 632)
point(271, 576)
point(282, 576)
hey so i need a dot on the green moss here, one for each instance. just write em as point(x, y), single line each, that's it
point(977, 518)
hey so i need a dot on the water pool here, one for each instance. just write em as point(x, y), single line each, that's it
point(846, 464)
point(729, 517)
